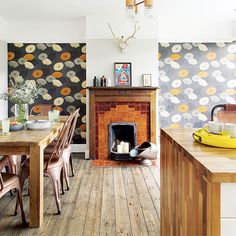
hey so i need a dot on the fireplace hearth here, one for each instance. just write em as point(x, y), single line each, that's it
point(122, 138)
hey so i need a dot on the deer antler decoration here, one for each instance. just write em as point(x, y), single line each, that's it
point(122, 41)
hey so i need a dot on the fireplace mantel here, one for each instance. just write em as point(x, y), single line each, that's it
point(138, 100)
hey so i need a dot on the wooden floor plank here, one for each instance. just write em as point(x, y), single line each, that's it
point(152, 188)
point(93, 219)
point(76, 224)
point(121, 208)
point(150, 215)
point(101, 201)
point(137, 221)
point(156, 174)
point(108, 204)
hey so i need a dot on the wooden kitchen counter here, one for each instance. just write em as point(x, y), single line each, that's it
point(193, 179)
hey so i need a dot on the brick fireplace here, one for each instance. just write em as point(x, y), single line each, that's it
point(118, 104)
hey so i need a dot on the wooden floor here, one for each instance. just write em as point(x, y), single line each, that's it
point(102, 201)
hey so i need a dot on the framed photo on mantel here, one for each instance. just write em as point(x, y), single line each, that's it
point(147, 80)
point(123, 74)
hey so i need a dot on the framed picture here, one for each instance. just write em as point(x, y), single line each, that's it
point(147, 80)
point(123, 74)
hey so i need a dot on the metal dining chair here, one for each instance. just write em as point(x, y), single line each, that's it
point(9, 182)
point(225, 113)
point(53, 164)
point(66, 155)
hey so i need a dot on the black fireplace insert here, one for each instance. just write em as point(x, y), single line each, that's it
point(122, 138)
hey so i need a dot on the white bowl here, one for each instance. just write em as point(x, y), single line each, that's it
point(38, 124)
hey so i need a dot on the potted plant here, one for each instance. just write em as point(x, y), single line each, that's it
point(21, 93)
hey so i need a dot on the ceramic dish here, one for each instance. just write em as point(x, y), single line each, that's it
point(16, 127)
point(38, 124)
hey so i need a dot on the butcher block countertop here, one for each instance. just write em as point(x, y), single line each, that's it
point(219, 164)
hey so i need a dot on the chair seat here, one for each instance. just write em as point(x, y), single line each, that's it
point(8, 179)
point(49, 149)
point(53, 164)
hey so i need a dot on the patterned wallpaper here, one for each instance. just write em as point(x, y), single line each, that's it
point(61, 71)
point(194, 77)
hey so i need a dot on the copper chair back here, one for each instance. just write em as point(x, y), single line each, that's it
point(61, 141)
point(73, 125)
point(225, 113)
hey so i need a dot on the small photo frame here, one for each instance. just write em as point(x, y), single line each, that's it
point(123, 74)
point(147, 80)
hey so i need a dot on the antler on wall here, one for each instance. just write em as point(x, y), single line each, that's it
point(121, 41)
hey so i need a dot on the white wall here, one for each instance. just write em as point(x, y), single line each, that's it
point(4, 29)
point(141, 53)
point(3, 79)
point(46, 32)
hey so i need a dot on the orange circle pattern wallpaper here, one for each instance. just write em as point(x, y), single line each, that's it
point(60, 70)
point(194, 77)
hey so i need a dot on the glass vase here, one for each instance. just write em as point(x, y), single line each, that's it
point(21, 112)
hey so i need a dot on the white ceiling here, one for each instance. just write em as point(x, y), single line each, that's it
point(72, 10)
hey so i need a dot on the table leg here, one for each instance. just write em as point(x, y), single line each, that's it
point(36, 186)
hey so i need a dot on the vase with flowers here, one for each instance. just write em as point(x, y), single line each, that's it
point(21, 93)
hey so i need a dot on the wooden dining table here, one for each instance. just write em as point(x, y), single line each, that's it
point(33, 143)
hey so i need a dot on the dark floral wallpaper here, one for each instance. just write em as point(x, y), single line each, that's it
point(194, 77)
point(60, 69)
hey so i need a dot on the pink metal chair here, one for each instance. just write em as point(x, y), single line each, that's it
point(53, 163)
point(9, 182)
point(225, 113)
point(66, 155)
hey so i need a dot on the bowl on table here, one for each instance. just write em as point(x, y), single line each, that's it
point(38, 124)
point(16, 126)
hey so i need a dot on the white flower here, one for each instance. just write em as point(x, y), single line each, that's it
point(202, 47)
point(202, 82)
point(220, 79)
point(188, 56)
point(188, 91)
point(231, 83)
point(230, 65)
point(195, 78)
point(168, 60)
point(174, 100)
point(188, 125)
point(56, 48)
point(187, 81)
point(204, 101)
point(168, 95)
point(176, 48)
point(216, 73)
point(215, 98)
point(215, 64)
point(164, 79)
point(223, 60)
point(176, 118)
point(187, 116)
point(232, 48)
point(204, 66)
point(176, 83)
point(161, 64)
point(202, 117)
point(165, 45)
point(192, 96)
point(192, 61)
point(164, 113)
point(187, 46)
point(174, 65)
point(220, 45)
